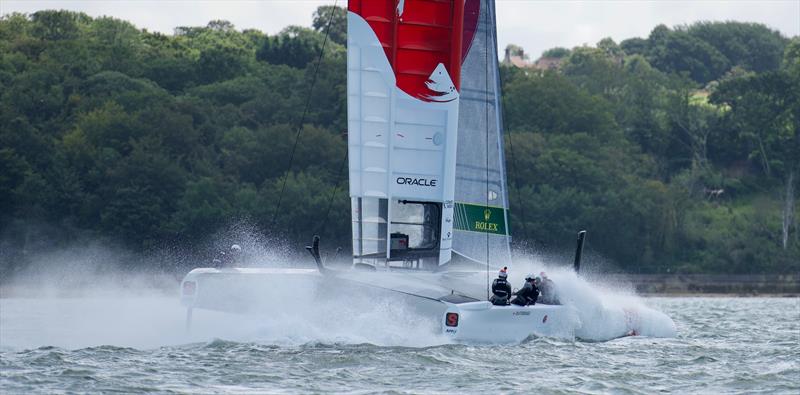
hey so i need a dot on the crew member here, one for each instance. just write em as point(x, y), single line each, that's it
point(233, 256)
point(548, 288)
point(217, 261)
point(228, 259)
point(501, 289)
point(528, 294)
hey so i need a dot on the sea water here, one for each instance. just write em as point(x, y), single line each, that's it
point(112, 339)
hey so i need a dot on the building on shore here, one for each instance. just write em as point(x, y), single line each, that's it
point(516, 56)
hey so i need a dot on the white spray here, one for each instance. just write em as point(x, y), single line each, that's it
point(76, 300)
point(605, 311)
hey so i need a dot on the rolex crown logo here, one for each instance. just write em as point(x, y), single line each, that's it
point(487, 214)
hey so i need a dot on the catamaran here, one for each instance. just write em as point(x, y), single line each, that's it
point(427, 178)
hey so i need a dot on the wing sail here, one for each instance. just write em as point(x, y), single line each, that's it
point(403, 79)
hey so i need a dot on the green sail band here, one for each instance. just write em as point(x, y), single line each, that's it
point(477, 218)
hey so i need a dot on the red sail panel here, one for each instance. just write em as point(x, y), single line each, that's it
point(472, 10)
point(417, 36)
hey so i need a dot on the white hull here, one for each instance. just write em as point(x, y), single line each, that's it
point(484, 323)
point(243, 290)
point(255, 290)
point(429, 295)
point(248, 290)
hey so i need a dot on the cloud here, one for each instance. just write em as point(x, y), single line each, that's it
point(164, 15)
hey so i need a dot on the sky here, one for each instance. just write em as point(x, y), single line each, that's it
point(536, 25)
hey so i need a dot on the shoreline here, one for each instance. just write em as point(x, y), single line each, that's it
point(644, 285)
point(710, 284)
point(34, 292)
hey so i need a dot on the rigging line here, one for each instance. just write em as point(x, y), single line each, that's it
point(486, 104)
point(303, 117)
point(321, 229)
point(516, 175)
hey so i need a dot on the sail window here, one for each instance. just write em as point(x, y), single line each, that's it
point(418, 223)
point(369, 226)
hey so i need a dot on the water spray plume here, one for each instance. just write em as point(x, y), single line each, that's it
point(605, 311)
point(82, 297)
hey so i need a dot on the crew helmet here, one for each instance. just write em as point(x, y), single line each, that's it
point(529, 277)
point(236, 248)
point(503, 272)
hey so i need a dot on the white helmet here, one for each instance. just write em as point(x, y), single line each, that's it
point(529, 277)
point(236, 248)
point(503, 272)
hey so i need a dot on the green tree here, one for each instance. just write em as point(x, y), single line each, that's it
point(610, 48)
point(556, 52)
point(141, 192)
point(642, 109)
point(764, 111)
point(206, 204)
point(679, 52)
point(296, 47)
point(57, 25)
point(751, 45)
point(221, 63)
point(333, 20)
point(635, 46)
point(551, 103)
point(115, 45)
point(595, 70)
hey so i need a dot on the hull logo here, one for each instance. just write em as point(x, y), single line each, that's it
point(521, 313)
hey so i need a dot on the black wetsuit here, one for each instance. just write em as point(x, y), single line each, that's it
point(527, 295)
point(501, 291)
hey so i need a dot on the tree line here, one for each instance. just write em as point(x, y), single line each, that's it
point(679, 151)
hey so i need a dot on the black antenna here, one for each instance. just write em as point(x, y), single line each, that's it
point(579, 251)
point(313, 249)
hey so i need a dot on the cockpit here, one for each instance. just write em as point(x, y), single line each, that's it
point(396, 233)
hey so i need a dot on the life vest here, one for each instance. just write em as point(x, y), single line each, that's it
point(500, 288)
